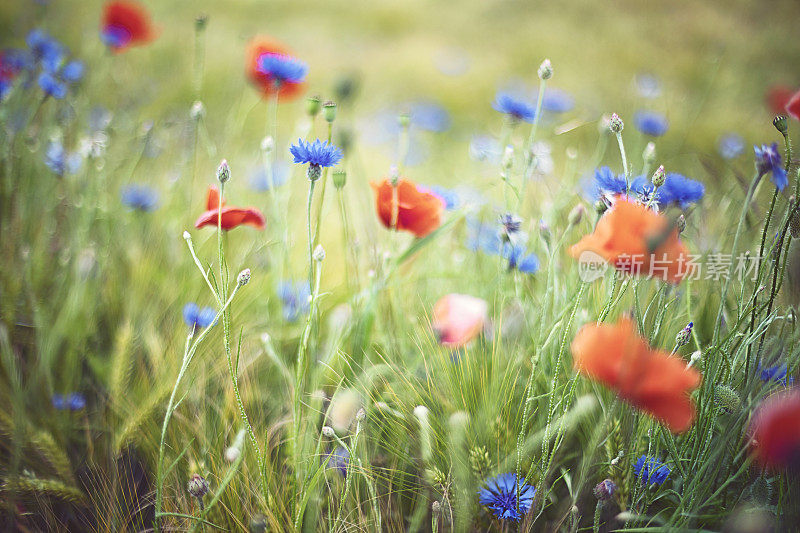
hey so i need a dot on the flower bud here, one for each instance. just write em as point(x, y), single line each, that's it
point(319, 254)
point(328, 432)
point(198, 110)
point(658, 176)
point(681, 223)
point(545, 70)
point(544, 231)
point(615, 124)
point(187, 236)
point(684, 335)
point(361, 414)
point(313, 105)
point(313, 172)
point(329, 111)
point(243, 278)
point(339, 178)
point(197, 486)
point(780, 124)
point(200, 21)
point(508, 157)
point(394, 175)
point(223, 171)
point(649, 153)
point(605, 490)
point(576, 215)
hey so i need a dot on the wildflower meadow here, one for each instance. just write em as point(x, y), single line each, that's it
point(410, 267)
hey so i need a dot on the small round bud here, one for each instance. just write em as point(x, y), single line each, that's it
point(339, 178)
point(197, 486)
point(696, 357)
point(649, 153)
point(781, 124)
point(329, 111)
point(436, 507)
point(361, 414)
point(223, 171)
point(319, 254)
point(545, 70)
point(328, 432)
point(684, 335)
point(658, 176)
point(200, 21)
point(267, 144)
point(681, 223)
point(605, 490)
point(615, 124)
point(243, 278)
point(313, 172)
point(576, 215)
point(187, 236)
point(404, 119)
point(313, 105)
point(198, 110)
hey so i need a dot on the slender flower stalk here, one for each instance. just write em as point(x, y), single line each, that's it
point(545, 73)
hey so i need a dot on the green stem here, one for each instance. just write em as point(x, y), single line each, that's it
point(529, 144)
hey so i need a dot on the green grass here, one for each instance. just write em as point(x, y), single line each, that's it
point(91, 293)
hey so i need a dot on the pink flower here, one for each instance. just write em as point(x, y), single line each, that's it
point(458, 318)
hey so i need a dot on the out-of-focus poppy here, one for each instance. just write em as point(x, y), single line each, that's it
point(649, 379)
point(265, 81)
point(635, 240)
point(458, 318)
point(415, 210)
point(125, 24)
point(231, 216)
point(777, 97)
point(793, 106)
point(775, 430)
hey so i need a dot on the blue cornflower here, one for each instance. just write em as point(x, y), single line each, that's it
point(76, 401)
point(196, 317)
point(651, 471)
point(5, 86)
point(58, 402)
point(518, 258)
point(776, 373)
point(483, 237)
point(557, 101)
point(338, 459)
point(500, 496)
point(52, 86)
point(608, 182)
point(514, 107)
point(60, 161)
point(429, 116)
point(647, 85)
point(261, 182)
point(317, 154)
point(282, 68)
point(730, 146)
point(139, 197)
point(681, 190)
point(768, 159)
point(651, 123)
point(295, 299)
point(45, 49)
point(73, 71)
point(485, 148)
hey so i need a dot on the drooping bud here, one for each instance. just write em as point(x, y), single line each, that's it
point(615, 124)
point(545, 70)
point(781, 124)
point(436, 507)
point(329, 111)
point(576, 215)
point(684, 335)
point(339, 178)
point(243, 278)
point(659, 176)
point(223, 171)
point(313, 105)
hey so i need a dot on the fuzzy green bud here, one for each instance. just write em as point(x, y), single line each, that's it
point(615, 124)
point(659, 176)
point(545, 71)
point(197, 486)
point(313, 172)
point(329, 111)
point(727, 399)
point(339, 178)
point(243, 278)
point(313, 105)
point(781, 124)
point(223, 171)
point(319, 254)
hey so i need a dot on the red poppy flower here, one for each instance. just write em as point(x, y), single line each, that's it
point(793, 106)
point(777, 97)
point(125, 24)
point(262, 81)
point(458, 318)
point(231, 216)
point(625, 236)
point(418, 211)
point(651, 380)
point(775, 430)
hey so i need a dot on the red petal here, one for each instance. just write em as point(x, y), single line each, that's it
point(793, 106)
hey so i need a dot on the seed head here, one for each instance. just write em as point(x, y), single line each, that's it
point(313, 105)
point(339, 178)
point(329, 111)
point(781, 124)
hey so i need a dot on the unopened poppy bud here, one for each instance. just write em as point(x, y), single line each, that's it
point(658, 176)
point(545, 70)
point(319, 253)
point(605, 490)
point(681, 223)
point(223, 171)
point(780, 124)
point(615, 124)
point(576, 215)
point(361, 414)
point(339, 178)
point(329, 111)
point(197, 486)
point(267, 144)
point(649, 153)
point(683, 336)
point(727, 399)
point(404, 119)
point(313, 172)
point(243, 278)
point(198, 110)
point(328, 432)
point(313, 105)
